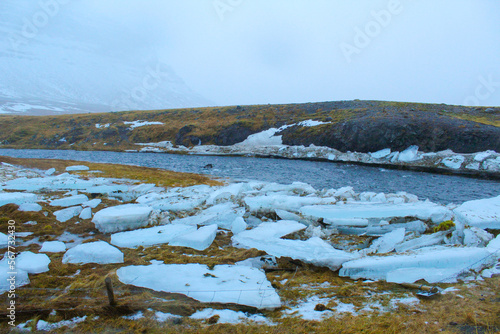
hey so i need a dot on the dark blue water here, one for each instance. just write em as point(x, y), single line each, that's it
point(436, 187)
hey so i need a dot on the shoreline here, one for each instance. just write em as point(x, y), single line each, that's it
point(360, 159)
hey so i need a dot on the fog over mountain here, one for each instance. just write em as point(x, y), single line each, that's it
point(56, 58)
point(87, 55)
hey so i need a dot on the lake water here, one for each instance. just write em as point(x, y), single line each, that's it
point(436, 187)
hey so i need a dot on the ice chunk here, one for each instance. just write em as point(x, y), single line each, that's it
point(68, 213)
point(223, 284)
point(239, 225)
point(430, 275)
point(260, 262)
point(31, 207)
point(454, 162)
point(76, 168)
point(371, 211)
point(86, 213)
point(17, 198)
point(122, 217)
point(199, 240)
point(69, 201)
point(386, 243)
point(314, 250)
point(483, 155)
point(92, 203)
point(150, 236)
point(345, 192)
point(94, 252)
point(473, 165)
point(492, 165)
point(53, 247)
point(381, 154)
point(379, 198)
point(423, 241)
point(416, 226)
point(283, 202)
point(4, 240)
point(482, 213)
point(106, 189)
point(227, 192)
point(452, 259)
point(273, 230)
point(409, 155)
point(32, 263)
point(296, 188)
point(50, 171)
point(476, 237)
point(285, 215)
point(222, 214)
point(494, 245)
point(6, 281)
point(347, 222)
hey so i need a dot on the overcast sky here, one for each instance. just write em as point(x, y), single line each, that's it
point(285, 51)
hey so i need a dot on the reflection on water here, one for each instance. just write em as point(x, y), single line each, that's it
point(436, 187)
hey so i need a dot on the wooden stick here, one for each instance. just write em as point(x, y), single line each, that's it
point(109, 289)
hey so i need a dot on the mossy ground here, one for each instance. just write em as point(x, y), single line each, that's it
point(80, 132)
point(78, 290)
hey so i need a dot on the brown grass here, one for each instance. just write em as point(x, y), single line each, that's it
point(160, 177)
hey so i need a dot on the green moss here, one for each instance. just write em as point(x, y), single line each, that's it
point(444, 226)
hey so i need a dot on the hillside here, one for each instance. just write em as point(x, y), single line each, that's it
point(362, 126)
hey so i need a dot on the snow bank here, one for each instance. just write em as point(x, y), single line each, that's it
point(227, 316)
point(122, 217)
point(137, 124)
point(482, 213)
point(150, 236)
point(94, 252)
point(223, 284)
point(264, 138)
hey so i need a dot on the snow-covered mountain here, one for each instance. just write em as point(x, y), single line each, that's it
point(56, 57)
